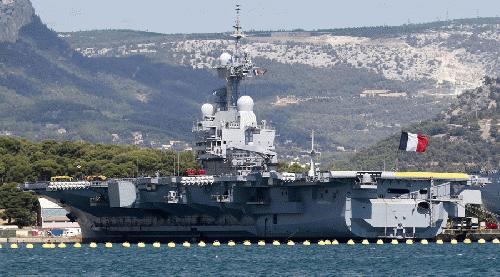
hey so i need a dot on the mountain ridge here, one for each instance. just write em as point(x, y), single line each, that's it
point(146, 89)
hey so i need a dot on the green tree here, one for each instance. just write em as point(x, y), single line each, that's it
point(19, 206)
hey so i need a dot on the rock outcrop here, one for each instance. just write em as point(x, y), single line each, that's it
point(14, 14)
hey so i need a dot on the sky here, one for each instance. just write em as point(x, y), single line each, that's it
point(170, 17)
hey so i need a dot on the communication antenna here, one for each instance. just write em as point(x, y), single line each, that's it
point(312, 170)
point(238, 32)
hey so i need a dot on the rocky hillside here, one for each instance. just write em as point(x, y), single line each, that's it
point(458, 53)
point(14, 14)
point(50, 91)
point(353, 87)
point(461, 138)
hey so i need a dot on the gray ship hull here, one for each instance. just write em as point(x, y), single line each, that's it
point(279, 206)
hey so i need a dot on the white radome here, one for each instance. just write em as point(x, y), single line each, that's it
point(225, 58)
point(245, 104)
point(207, 110)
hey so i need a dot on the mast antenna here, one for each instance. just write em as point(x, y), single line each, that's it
point(312, 170)
point(238, 32)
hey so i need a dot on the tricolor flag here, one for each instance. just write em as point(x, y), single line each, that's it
point(258, 72)
point(412, 142)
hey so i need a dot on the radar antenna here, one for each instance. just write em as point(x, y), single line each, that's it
point(312, 170)
point(238, 32)
point(234, 69)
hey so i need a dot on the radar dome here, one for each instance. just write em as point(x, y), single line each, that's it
point(245, 104)
point(225, 58)
point(207, 110)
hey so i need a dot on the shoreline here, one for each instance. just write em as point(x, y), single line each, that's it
point(41, 240)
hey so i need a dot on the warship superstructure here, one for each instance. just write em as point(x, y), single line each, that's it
point(238, 194)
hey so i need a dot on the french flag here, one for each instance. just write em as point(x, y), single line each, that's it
point(412, 142)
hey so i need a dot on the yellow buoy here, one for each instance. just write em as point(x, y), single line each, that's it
point(0, 246)
point(231, 243)
point(394, 241)
point(290, 243)
point(424, 241)
point(481, 240)
point(275, 242)
point(141, 244)
point(409, 241)
point(365, 242)
point(467, 241)
point(453, 241)
point(350, 242)
point(216, 243)
point(125, 245)
point(261, 243)
point(335, 242)
point(495, 240)
point(157, 244)
point(247, 243)
point(439, 241)
point(108, 245)
point(328, 242)
point(172, 244)
point(77, 245)
point(380, 242)
point(46, 245)
point(201, 244)
point(61, 245)
point(306, 242)
point(29, 246)
point(13, 246)
point(186, 244)
point(321, 242)
point(93, 245)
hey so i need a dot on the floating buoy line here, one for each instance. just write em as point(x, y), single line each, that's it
point(231, 243)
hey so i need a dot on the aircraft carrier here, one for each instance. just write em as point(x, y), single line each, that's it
point(238, 194)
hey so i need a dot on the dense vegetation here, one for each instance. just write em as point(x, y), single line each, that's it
point(24, 161)
point(461, 138)
point(294, 167)
point(18, 206)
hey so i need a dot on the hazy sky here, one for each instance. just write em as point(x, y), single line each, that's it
point(219, 16)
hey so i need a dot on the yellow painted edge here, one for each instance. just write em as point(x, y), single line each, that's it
point(431, 175)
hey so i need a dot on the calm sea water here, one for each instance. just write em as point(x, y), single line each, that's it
point(299, 260)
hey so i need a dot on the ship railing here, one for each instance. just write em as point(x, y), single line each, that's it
point(232, 125)
point(68, 185)
point(36, 185)
point(197, 180)
point(99, 184)
point(288, 176)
